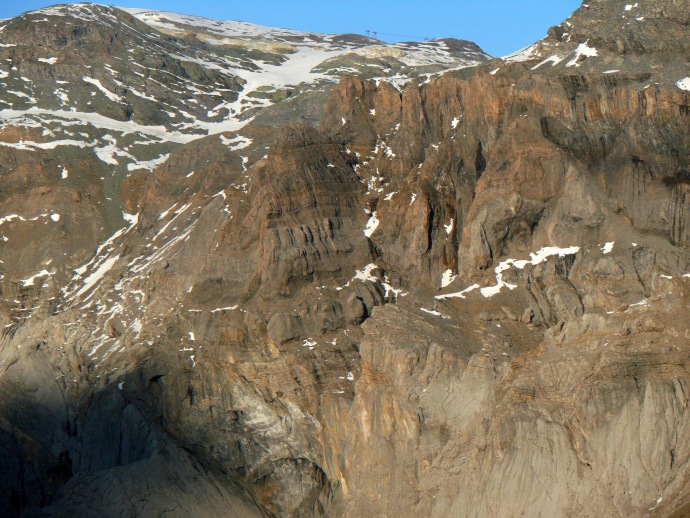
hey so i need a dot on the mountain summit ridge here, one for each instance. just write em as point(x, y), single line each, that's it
point(395, 285)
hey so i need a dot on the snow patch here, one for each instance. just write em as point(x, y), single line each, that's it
point(535, 258)
point(30, 280)
point(96, 276)
point(582, 50)
point(684, 84)
point(554, 60)
point(606, 249)
point(101, 122)
point(310, 343)
point(236, 143)
point(391, 290)
point(372, 225)
point(525, 54)
point(447, 278)
point(97, 83)
point(62, 95)
point(148, 164)
point(459, 294)
point(433, 312)
point(365, 274)
point(547, 252)
point(132, 219)
point(228, 308)
point(661, 498)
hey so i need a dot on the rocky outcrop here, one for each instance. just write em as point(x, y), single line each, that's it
point(460, 297)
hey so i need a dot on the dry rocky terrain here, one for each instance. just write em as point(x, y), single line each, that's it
point(254, 272)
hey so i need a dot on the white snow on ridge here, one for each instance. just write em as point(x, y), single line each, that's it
point(236, 143)
point(99, 261)
point(30, 280)
point(132, 219)
point(549, 251)
point(300, 52)
point(96, 276)
point(582, 50)
point(459, 294)
point(409, 53)
point(97, 83)
point(229, 28)
point(148, 164)
point(296, 69)
point(141, 94)
point(554, 60)
point(32, 146)
point(490, 291)
point(102, 122)
point(526, 54)
point(23, 95)
point(684, 84)
point(365, 274)
point(108, 152)
point(535, 258)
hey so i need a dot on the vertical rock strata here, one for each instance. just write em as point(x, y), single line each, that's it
point(463, 296)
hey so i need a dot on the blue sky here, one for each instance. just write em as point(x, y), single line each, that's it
point(498, 26)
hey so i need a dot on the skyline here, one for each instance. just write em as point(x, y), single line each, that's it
point(499, 27)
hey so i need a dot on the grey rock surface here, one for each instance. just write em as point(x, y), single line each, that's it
point(465, 294)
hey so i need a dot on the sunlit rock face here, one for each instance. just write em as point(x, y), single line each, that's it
point(262, 272)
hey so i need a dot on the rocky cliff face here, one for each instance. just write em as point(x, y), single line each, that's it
point(461, 295)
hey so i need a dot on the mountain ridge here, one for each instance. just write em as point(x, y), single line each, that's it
point(456, 296)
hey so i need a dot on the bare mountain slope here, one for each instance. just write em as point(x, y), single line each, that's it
point(464, 295)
